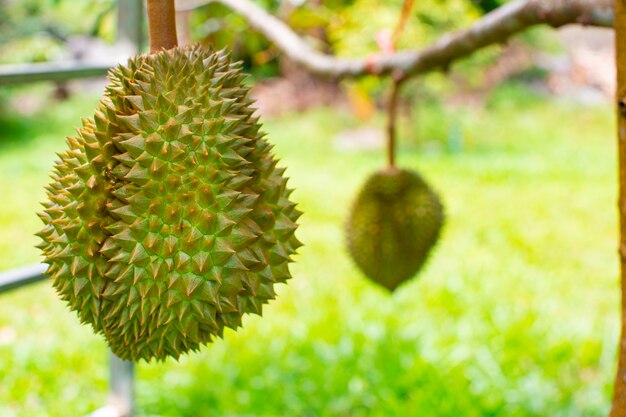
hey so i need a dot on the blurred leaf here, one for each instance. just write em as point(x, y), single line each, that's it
point(304, 18)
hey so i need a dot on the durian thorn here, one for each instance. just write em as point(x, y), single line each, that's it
point(162, 25)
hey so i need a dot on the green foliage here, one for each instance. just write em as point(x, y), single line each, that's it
point(219, 27)
point(513, 95)
point(353, 31)
point(487, 6)
point(516, 314)
point(34, 30)
point(433, 124)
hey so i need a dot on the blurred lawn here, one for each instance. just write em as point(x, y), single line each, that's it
point(515, 315)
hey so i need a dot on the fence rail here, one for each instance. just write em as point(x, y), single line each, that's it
point(121, 374)
point(129, 38)
point(51, 71)
point(19, 277)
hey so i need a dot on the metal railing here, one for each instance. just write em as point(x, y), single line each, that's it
point(121, 374)
point(51, 71)
point(129, 39)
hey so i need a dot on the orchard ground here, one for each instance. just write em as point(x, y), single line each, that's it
point(516, 313)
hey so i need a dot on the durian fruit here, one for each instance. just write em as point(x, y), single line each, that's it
point(167, 217)
point(395, 221)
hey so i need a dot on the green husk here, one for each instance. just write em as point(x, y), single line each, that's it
point(395, 221)
point(167, 217)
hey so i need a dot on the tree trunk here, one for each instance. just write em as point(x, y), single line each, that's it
point(618, 408)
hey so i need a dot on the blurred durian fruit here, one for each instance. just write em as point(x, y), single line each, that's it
point(394, 223)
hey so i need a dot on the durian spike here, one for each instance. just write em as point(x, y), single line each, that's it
point(162, 25)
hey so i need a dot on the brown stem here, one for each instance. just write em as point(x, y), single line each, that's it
point(392, 116)
point(618, 408)
point(162, 25)
point(392, 105)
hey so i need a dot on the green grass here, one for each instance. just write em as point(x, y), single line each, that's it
point(515, 314)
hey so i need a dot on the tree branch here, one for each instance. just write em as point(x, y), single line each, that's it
point(495, 27)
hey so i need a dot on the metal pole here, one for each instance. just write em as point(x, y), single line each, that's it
point(130, 18)
point(52, 71)
point(121, 389)
point(19, 277)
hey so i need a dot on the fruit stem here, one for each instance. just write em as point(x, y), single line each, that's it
point(162, 25)
point(392, 115)
point(397, 78)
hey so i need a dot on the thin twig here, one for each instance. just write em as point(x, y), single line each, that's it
point(392, 116)
point(394, 95)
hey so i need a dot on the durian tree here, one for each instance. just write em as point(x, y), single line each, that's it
point(167, 217)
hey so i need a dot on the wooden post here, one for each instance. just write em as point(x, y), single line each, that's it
point(618, 408)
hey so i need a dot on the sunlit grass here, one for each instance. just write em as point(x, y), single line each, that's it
point(515, 314)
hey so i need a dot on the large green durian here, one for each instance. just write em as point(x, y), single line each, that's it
point(394, 223)
point(167, 217)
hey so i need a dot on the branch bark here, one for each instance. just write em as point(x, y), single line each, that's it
point(618, 408)
point(495, 27)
